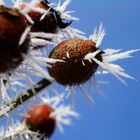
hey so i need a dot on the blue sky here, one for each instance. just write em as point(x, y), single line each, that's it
point(116, 116)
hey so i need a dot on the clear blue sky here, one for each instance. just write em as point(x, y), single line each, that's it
point(116, 116)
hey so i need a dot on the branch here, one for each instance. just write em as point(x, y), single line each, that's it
point(27, 95)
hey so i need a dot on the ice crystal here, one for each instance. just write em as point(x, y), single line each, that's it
point(19, 87)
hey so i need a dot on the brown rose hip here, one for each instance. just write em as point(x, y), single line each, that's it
point(12, 26)
point(40, 120)
point(75, 70)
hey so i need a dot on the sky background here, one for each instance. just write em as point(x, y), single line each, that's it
point(116, 116)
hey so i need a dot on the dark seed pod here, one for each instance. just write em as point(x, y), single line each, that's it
point(40, 120)
point(12, 26)
point(75, 70)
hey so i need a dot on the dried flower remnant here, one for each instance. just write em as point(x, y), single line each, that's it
point(12, 27)
point(74, 70)
point(39, 120)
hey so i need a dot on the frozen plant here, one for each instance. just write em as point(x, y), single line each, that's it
point(38, 47)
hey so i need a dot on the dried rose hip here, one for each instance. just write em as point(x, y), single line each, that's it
point(12, 26)
point(40, 120)
point(75, 70)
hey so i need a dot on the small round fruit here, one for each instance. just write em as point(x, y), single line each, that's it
point(40, 120)
point(12, 26)
point(50, 22)
point(74, 70)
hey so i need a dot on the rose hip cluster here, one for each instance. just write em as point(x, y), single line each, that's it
point(25, 33)
point(73, 70)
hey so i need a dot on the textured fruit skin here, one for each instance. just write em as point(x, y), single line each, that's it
point(40, 120)
point(12, 25)
point(73, 71)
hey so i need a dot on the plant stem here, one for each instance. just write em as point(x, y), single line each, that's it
point(28, 94)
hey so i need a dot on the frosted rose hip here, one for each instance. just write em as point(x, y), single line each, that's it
point(75, 70)
point(40, 120)
point(50, 22)
point(12, 26)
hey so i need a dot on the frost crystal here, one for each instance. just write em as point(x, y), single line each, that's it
point(109, 56)
point(28, 83)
